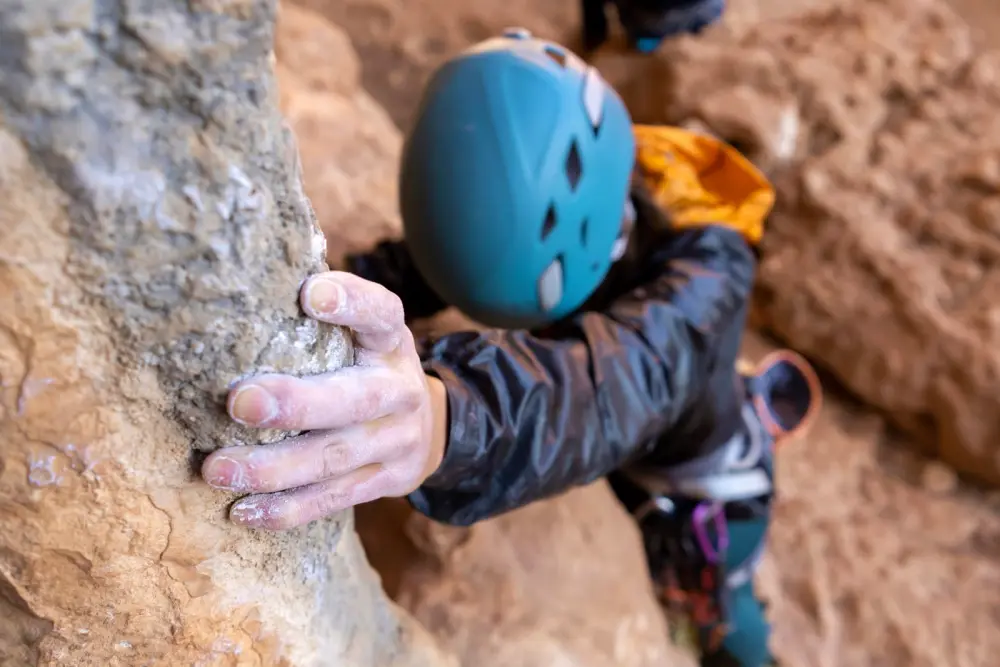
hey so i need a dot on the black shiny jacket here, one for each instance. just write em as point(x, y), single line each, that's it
point(644, 372)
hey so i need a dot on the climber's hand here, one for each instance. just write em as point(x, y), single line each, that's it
point(376, 427)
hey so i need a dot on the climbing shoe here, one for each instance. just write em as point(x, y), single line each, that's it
point(648, 23)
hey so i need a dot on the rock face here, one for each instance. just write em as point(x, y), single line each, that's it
point(153, 235)
point(562, 582)
point(878, 120)
point(868, 564)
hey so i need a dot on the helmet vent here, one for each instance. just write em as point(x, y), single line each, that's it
point(594, 92)
point(557, 55)
point(583, 232)
point(550, 222)
point(574, 166)
point(550, 285)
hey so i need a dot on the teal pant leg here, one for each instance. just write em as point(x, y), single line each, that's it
point(746, 644)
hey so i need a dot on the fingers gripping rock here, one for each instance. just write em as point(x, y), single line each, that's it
point(372, 312)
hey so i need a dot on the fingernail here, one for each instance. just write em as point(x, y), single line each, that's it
point(253, 405)
point(227, 474)
point(324, 296)
point(248, 513)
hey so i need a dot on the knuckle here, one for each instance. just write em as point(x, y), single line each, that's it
point(328, 502)
point(384, 343)
point(373, 404)
point(412, 397)
point(406, 337)
point(389, 479)
point(402, 477)
point(411, 387)
point(405, 344)
point(335, 459)
point(394, 312)
point(405, 440)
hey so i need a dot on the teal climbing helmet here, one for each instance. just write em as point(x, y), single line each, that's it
point(514, 181)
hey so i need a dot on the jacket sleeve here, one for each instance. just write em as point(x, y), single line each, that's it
point(389, 264)
point(532, 416)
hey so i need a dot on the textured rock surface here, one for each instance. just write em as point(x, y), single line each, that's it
point(887, 152)
point(561, 582)
point(153, 234)
point(870, 566)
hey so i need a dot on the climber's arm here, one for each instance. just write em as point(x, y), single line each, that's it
point(532, 416)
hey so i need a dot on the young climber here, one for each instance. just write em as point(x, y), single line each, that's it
point(615, 263)
point(648, 22)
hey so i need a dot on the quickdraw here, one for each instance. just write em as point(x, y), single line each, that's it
point(692, 576)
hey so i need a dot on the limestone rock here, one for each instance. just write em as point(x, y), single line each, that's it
point(888, 191)
point(153, 235)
